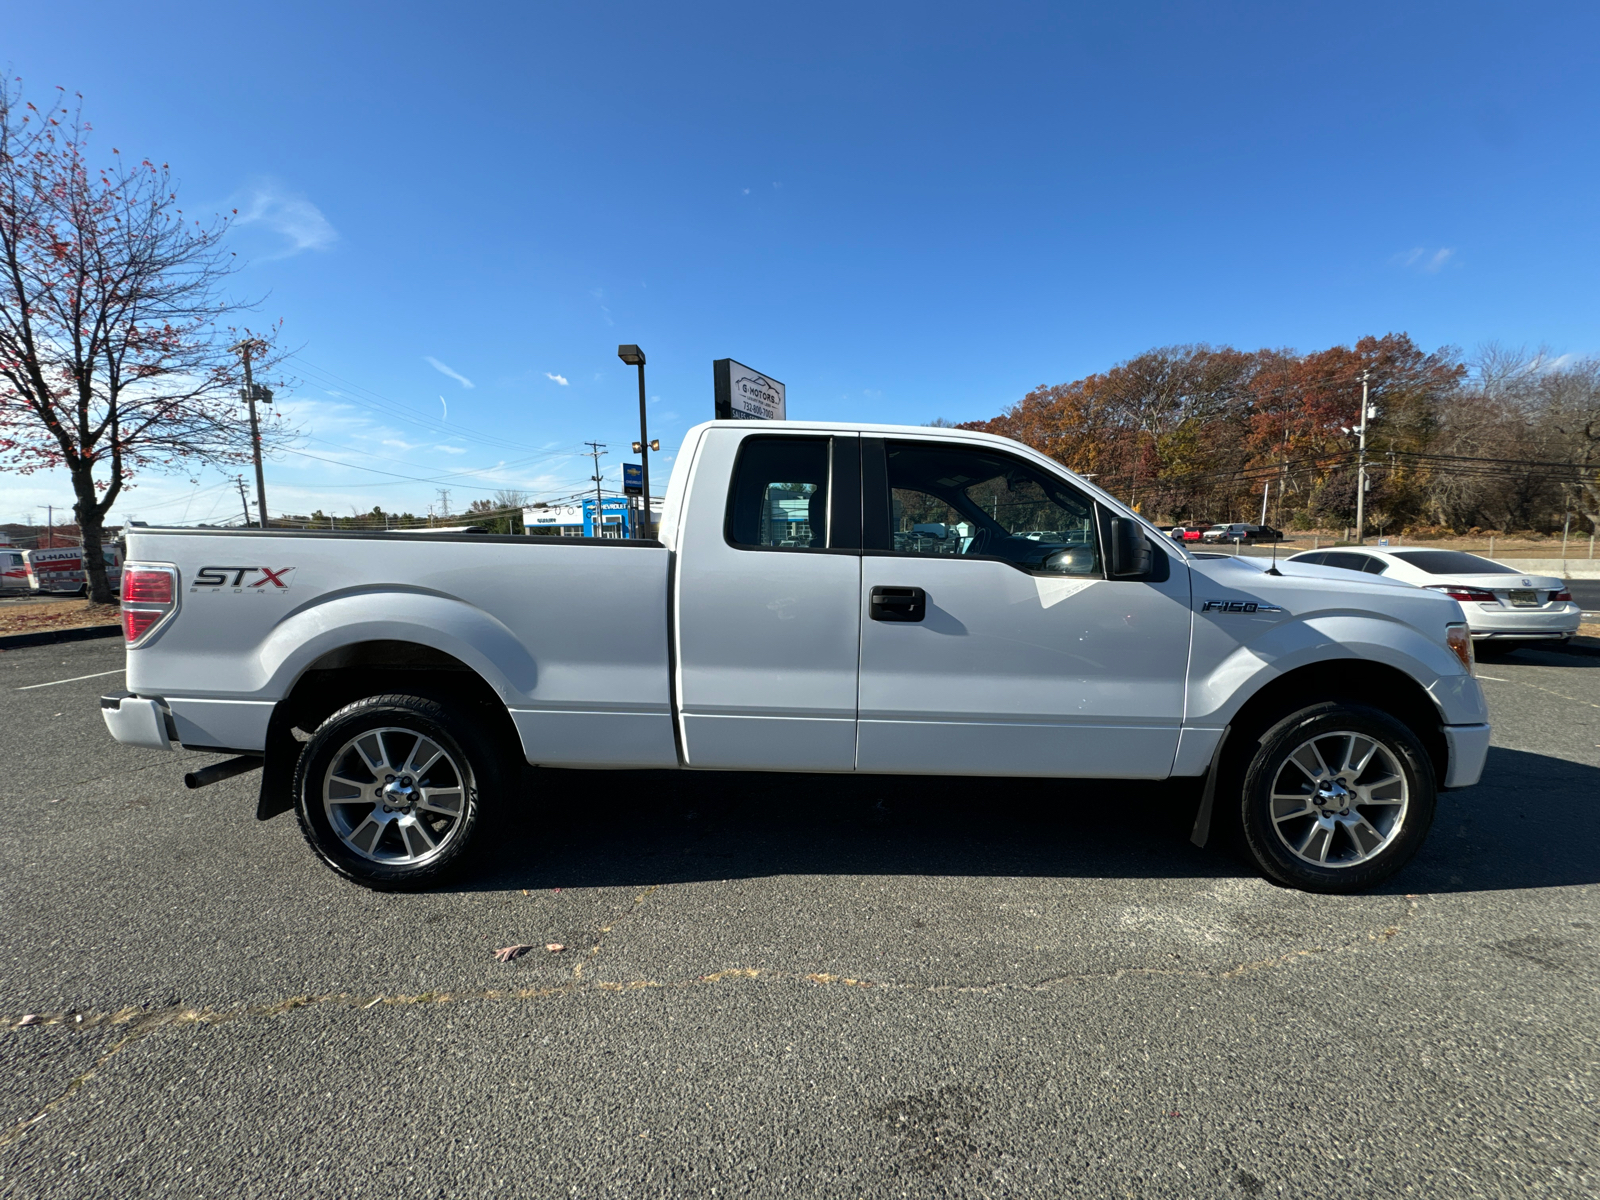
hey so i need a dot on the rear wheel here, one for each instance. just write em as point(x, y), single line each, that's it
point(390, 790)
point(1337, 798)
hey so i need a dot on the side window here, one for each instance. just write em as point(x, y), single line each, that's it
point(962, 501)
point(1374, 566)
point(779, 497)
point(1318, 559)
point(1346, 561)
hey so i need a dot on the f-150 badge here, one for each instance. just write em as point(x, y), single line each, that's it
point(1238, 606)
point(243, 579)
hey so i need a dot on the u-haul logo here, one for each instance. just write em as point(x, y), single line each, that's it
point(243, 579)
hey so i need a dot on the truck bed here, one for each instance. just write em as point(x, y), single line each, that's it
point(570, 632)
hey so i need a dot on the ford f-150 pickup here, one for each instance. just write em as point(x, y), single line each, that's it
point(822, 598)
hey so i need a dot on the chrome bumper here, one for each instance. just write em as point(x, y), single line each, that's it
point(135, 722)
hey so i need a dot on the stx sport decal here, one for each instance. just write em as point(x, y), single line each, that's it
point(271, 579)
point(1238, 606)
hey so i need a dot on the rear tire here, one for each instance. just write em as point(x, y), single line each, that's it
point(390, 791)
point(1336, 798)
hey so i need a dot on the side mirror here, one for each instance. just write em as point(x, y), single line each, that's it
point(1130, 552)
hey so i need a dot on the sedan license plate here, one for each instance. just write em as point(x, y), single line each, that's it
point(1524, 599)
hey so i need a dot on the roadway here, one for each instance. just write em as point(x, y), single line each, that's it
point(790, 986)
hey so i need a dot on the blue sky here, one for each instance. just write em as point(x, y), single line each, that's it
point(902, 211)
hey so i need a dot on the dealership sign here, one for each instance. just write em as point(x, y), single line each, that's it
point(745, 394)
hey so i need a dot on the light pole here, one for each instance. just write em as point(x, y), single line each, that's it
point(634, 357)
point(244, 349)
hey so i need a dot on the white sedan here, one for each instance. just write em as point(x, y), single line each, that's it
point(1505, 608)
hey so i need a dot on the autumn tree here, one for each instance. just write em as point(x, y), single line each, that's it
point(113, 338)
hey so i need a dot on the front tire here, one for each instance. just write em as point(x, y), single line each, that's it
point(390, 791)
point(1337, 798)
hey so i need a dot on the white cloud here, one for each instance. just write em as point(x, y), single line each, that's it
point(444, 370)
point(1429, 262)
point(290, 215)
point(398, 444)
point(746, 191)
point(451, 449)
point(561, 379)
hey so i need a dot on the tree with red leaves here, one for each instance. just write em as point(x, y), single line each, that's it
point(113, 338)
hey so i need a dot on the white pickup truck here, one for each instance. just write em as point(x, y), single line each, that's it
point(822, 598)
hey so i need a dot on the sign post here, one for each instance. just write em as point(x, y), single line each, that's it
point(745, 394)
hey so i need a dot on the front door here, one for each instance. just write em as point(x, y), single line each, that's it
point(991, 641)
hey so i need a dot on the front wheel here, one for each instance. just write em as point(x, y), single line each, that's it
point(1337, 798)
point(390, 790)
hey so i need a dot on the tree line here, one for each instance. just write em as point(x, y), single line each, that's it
point(1502, 439)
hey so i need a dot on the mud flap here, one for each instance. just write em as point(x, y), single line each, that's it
point(1201, 834)
point(277, 771)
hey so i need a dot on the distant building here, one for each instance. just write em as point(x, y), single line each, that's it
point(617, 516)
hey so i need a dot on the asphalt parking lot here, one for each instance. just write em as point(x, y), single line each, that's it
point(791, 986)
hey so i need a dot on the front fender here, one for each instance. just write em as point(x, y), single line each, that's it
point(442, 623)
point(1218, 689)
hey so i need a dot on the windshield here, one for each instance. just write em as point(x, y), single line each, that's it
point(1451, 562)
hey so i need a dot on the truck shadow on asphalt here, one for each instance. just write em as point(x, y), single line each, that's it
point(1525, 826)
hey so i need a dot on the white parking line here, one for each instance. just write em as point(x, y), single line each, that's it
point(74, 679)
point(1494, 679)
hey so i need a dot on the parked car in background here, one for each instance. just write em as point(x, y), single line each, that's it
point(1239, 531)
point(60, 571)
point(1185, 533)
point(13, 571)
point(1505, 608)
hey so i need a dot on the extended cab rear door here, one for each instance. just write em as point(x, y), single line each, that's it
point(766, 598)
point(992, 642)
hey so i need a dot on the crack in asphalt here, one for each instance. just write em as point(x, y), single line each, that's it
point(141, 1022)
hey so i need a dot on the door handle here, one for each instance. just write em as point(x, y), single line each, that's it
point(898, 604)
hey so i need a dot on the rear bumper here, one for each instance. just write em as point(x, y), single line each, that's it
point(1493, 620)
point(134, 721)
point(1468, 747)
point(239, 726)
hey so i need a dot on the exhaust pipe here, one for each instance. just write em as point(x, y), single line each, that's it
point(217, 772)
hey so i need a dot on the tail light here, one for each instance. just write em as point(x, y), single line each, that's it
point(149, 597)
point(1457, 592)
point(1459, 640)
point(1561, 597)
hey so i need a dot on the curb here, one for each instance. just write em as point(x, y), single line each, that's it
point(48, 637)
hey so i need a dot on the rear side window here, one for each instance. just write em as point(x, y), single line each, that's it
point(1451, 562)
point(779, 498)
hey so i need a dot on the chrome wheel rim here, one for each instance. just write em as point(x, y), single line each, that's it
point(1339, 799)
point(394, 796)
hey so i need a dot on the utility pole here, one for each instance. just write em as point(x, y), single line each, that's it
point(50, 523)
point(1361, 469)
point(596, 449)
point(243, 503)
point(244, 349)
point(1266, 486)
point(444, 503)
